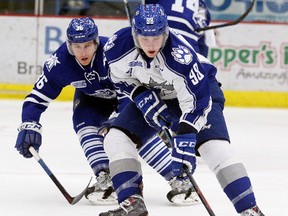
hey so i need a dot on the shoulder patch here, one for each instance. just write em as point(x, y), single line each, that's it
point(182, 55)
point(110, 42)
point(51, 62)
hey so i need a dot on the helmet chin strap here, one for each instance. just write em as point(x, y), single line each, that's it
point(68, 44)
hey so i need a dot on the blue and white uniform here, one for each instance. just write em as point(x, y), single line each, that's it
point(184, 17)
point(169, 72)
point(182, 82)
point(94, 100)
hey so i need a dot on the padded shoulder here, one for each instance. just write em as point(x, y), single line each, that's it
point(115, 48)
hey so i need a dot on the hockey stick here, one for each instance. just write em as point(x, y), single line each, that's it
point(200, 194)
point(232, 22)
point(128, 11)
point(191, 178)
point(70, 199)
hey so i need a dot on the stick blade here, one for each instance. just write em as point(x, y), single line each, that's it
point(77, 198)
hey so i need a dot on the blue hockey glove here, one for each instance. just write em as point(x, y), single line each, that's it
point(29, 135)
point(153, 108)
point(183, 153)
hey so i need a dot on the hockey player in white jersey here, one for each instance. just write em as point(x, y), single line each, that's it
point(186, 17)
point(151, 64)
point(168, 82)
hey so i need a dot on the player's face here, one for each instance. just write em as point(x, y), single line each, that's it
point(151, 45)
point(84, 51)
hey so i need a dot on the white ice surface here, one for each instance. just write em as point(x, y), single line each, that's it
point(259, 135)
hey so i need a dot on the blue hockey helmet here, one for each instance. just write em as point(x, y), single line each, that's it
point(81, 30)
point(150, 20)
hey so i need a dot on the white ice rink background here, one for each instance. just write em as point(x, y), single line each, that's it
point(259, 136)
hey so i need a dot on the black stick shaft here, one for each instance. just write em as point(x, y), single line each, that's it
point(70, 199)
point(234, 22)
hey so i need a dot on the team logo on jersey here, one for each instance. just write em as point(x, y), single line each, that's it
point(163, 85)
point(135, 63)
point(104, 93)
point(182, 55)
point(91, 75)
point(79, 84)
point(110, 43)
point(51, 62)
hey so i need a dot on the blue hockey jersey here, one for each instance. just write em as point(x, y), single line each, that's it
point(62, 69)
point(186, 16)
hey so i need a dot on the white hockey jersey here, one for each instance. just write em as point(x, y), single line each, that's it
point(176, 72)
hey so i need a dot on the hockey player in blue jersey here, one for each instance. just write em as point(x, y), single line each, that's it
point(77, 62)
point(155, 63)
point(186, 17)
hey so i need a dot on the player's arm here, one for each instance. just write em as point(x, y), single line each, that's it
point(195, 102)
point(44, 91)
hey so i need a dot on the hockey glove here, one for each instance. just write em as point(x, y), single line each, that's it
point(183, 153)
point(29, 135)
point(202, 20)
point(153, 108)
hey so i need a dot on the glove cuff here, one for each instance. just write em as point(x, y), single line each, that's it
point(187, 136)
point(34, 126)
point(137, 91)
point(184, 140)
point(141, 94)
